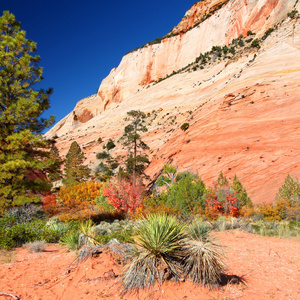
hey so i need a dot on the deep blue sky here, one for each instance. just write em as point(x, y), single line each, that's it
point(81, 41)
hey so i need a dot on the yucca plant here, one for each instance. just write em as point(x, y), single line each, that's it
point(88, 236)
point(203, 263)
point(70, 240)
point(158, 255)
point(199, 231)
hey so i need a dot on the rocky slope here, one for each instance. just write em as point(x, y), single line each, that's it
point(243, 111)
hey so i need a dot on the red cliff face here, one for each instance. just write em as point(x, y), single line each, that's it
point(243, 112)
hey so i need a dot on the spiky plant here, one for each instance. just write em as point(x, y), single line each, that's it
point(88, 236)
point(158, 256)
point(70, 240)
point(199, 231)
point(203, 263)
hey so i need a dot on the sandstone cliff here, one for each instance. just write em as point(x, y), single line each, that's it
point(243, 112)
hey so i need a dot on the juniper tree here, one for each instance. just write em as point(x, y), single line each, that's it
point(24, 157)
point(136, 163)
point(75, 171)
point(290, 190)
point(241, 193)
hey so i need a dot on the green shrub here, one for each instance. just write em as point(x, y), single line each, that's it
point(267, 33)
point(19, 234)
point(185, 126)
point(123, 236)
point(187, 193)
point(294, 14)
point(255, 43)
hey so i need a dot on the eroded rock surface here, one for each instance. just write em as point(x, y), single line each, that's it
point(244, 113)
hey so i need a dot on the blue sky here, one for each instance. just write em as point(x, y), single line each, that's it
point(81, 41)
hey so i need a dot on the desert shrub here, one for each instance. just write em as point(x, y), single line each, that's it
point(267, 33)
point(159, 242)
point(26, 213)
point(267, 211)
point(70, 240)
point(102, 203)
point(15, 234)
point(284, 229)
point(294, 14)
point(82, 192)
point(124, 195)
point(225, 223)
point(222, 201)
point(203, 262)
point(154, 205)
point(281, 209)
point(185, 126)
point(49, 204)
point(227, 199)
point(165, 249)
point(199, 231)
point(123, 236)
point(36, 246)
point(56, 228)
point(19, 234)
point(78, 202)
point(255, 43)
point(186, 194)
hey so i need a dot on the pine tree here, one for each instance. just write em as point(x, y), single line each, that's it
point(222, 180)
point(135, 163)
point(241, 193)
point(24, 157)
point(290, 190)
point(54, 173)
point(108, 164)
point(75, 171)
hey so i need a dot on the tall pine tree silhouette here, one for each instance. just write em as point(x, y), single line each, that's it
point(75, 171)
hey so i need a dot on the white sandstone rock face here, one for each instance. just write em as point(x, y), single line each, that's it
point(243, 114)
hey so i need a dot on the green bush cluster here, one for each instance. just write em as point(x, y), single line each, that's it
point(15, 235)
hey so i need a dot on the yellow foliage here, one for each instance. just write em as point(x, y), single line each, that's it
point(151, 208)
point(281, 209)
point(83, 192)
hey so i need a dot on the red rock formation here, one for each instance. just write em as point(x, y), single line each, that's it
point(243, 113)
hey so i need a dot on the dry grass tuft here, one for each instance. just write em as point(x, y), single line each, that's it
point(36, 246)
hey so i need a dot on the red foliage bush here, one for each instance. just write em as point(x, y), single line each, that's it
point(124, 195)
point(49, 204)
point(222, 201)
point(49, 199)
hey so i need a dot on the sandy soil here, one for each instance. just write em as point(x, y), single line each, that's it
point(270, 267)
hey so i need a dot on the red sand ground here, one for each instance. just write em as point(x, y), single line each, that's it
point(270, 266)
